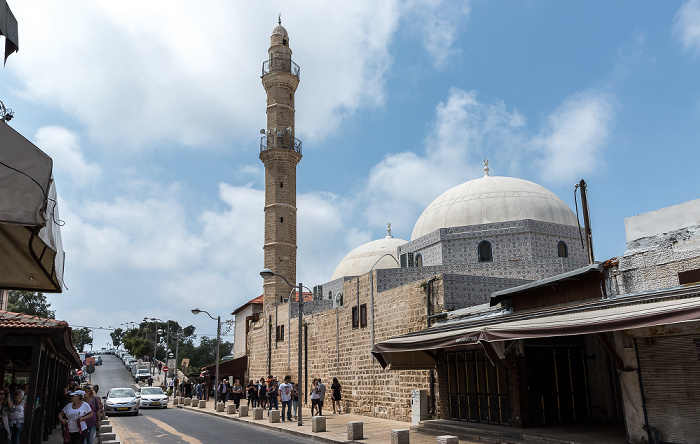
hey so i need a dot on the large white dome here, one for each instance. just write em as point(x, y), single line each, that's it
point(360, 260)
point(493, 199)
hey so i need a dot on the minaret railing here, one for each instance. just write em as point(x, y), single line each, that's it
point(280, 64)
point(280, 140)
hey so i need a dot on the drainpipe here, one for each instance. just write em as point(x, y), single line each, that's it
point(431, 376)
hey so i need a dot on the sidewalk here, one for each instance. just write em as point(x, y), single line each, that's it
point(376, 430)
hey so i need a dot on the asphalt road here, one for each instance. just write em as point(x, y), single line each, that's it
point(173, 425)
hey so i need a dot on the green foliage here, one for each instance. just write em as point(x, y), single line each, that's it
point(81, 338)
point(117, 335)
point(30, 303)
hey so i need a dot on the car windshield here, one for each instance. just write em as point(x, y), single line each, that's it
point(121, 393)
point(151, 391)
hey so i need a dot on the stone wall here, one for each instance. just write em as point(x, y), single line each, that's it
point(336, 349)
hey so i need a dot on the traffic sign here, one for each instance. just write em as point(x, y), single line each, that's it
point(90, 369)
point(79, 372)
point(165, 369)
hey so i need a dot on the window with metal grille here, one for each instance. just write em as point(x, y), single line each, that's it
point(363, 315)
point(407, 260)
point(279, 333)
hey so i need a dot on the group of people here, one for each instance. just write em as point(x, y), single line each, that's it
point(12, 402)
point(81, 413)
point(228, 391)
point(267, 392)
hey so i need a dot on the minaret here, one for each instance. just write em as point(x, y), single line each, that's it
point(280, 152)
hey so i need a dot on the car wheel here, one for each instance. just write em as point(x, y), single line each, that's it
point(136, 413)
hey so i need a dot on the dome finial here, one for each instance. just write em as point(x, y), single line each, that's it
point(388, 231)
point(279, 19)
point(486, 167)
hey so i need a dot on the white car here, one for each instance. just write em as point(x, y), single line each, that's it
point(153, 397)
point(122, 400)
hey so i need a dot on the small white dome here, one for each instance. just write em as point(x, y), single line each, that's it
point(490, 200)
point(360, 260)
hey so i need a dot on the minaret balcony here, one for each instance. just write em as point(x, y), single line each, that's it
point(281, 140)
point(280, 64)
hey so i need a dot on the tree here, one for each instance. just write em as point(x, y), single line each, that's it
point(30, 303)
point(81, 338)
point(117, 335)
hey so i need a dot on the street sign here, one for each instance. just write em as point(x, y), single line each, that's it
point(79, 372)
point(90, 369)
point(165, 369)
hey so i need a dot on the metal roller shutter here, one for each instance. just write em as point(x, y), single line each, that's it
point(670, 376)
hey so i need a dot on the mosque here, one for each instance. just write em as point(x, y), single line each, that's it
point(493, 312)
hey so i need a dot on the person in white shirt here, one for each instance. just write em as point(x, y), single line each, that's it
point(321, 396)
point(286, 396)
point(74, 415)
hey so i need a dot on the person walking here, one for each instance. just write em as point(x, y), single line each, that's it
point(286, 396)
point(74, 416)
point(295, 399)
point(262, 393)
point(237, 392)
point(16, 418)
point(252, 394)
point(272, 395)
point(91, 423)
point(314, 396)
point(335, 394)
point(223, 391)
point(321, 396)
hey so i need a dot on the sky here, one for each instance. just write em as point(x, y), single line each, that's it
point(152, 113)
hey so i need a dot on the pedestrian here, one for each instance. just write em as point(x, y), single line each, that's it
point(237, 392)
point(252, 394)
point(150, 381)
point(5, 410)
point(314, 396)
point(74, 416)
point(262, 393)
point(335, 394)
point(285, 391)
point(223, 391)
point(176, 384)
point(295, 399)
point(16, 417)
point(171, 387)
point(91, 424)
point(160, 366)
point(321, 396)
point(272, 395)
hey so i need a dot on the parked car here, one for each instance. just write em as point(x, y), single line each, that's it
point(98, 360)
point(142, 375)
point(122, 400)
point(153, 397)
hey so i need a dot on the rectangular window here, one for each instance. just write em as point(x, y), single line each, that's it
point(355, 318)
point(407, 260)
point(279, 333)
point(363, 315)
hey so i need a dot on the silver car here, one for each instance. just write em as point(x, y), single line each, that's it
point(153, 397)
point(122, 400)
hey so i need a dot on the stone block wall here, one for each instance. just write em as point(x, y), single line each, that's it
point(336, 349)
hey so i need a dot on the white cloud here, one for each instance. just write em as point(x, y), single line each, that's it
point(69, 162)
point(687, 25)
point(439, 24)
point(570, 144)
point(142, 78)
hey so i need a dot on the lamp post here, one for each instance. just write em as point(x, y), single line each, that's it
point(197, 311)
point(155, 344)
point(266, 274)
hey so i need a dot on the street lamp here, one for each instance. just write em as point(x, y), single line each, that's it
point(155, 344)
point(197, 311)
point(266, 274)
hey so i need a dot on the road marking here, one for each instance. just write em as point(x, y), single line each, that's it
point(171, 430)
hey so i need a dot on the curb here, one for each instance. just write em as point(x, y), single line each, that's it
point(310, 436)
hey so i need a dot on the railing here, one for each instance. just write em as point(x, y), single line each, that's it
point(280, 140)
point(280, 64)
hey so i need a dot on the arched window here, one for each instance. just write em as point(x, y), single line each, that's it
point(562, 249)
point(419, 260)
point(485, 253)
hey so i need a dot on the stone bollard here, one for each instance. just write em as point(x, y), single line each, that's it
point(354, 430)
point(188, 401)
point(274, 416)
point(220, 407)
point(181, 400)
point(243, 411)
point(447, 439)
point(105, 428)
point(400, 436)
point(231, 409)
point(202, 403)
point(257, 413)
point(108, 436)
point(176, 401)
point(104, 422)
point(318, 424)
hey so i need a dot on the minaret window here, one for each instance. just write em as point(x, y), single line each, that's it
point(419, 260)
point(485, 252)
point(562, 249)
point(281, 184)
point(281, 220)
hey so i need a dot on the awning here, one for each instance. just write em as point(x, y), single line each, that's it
point(31, 251)
point(418, 350)
point(232, 367)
